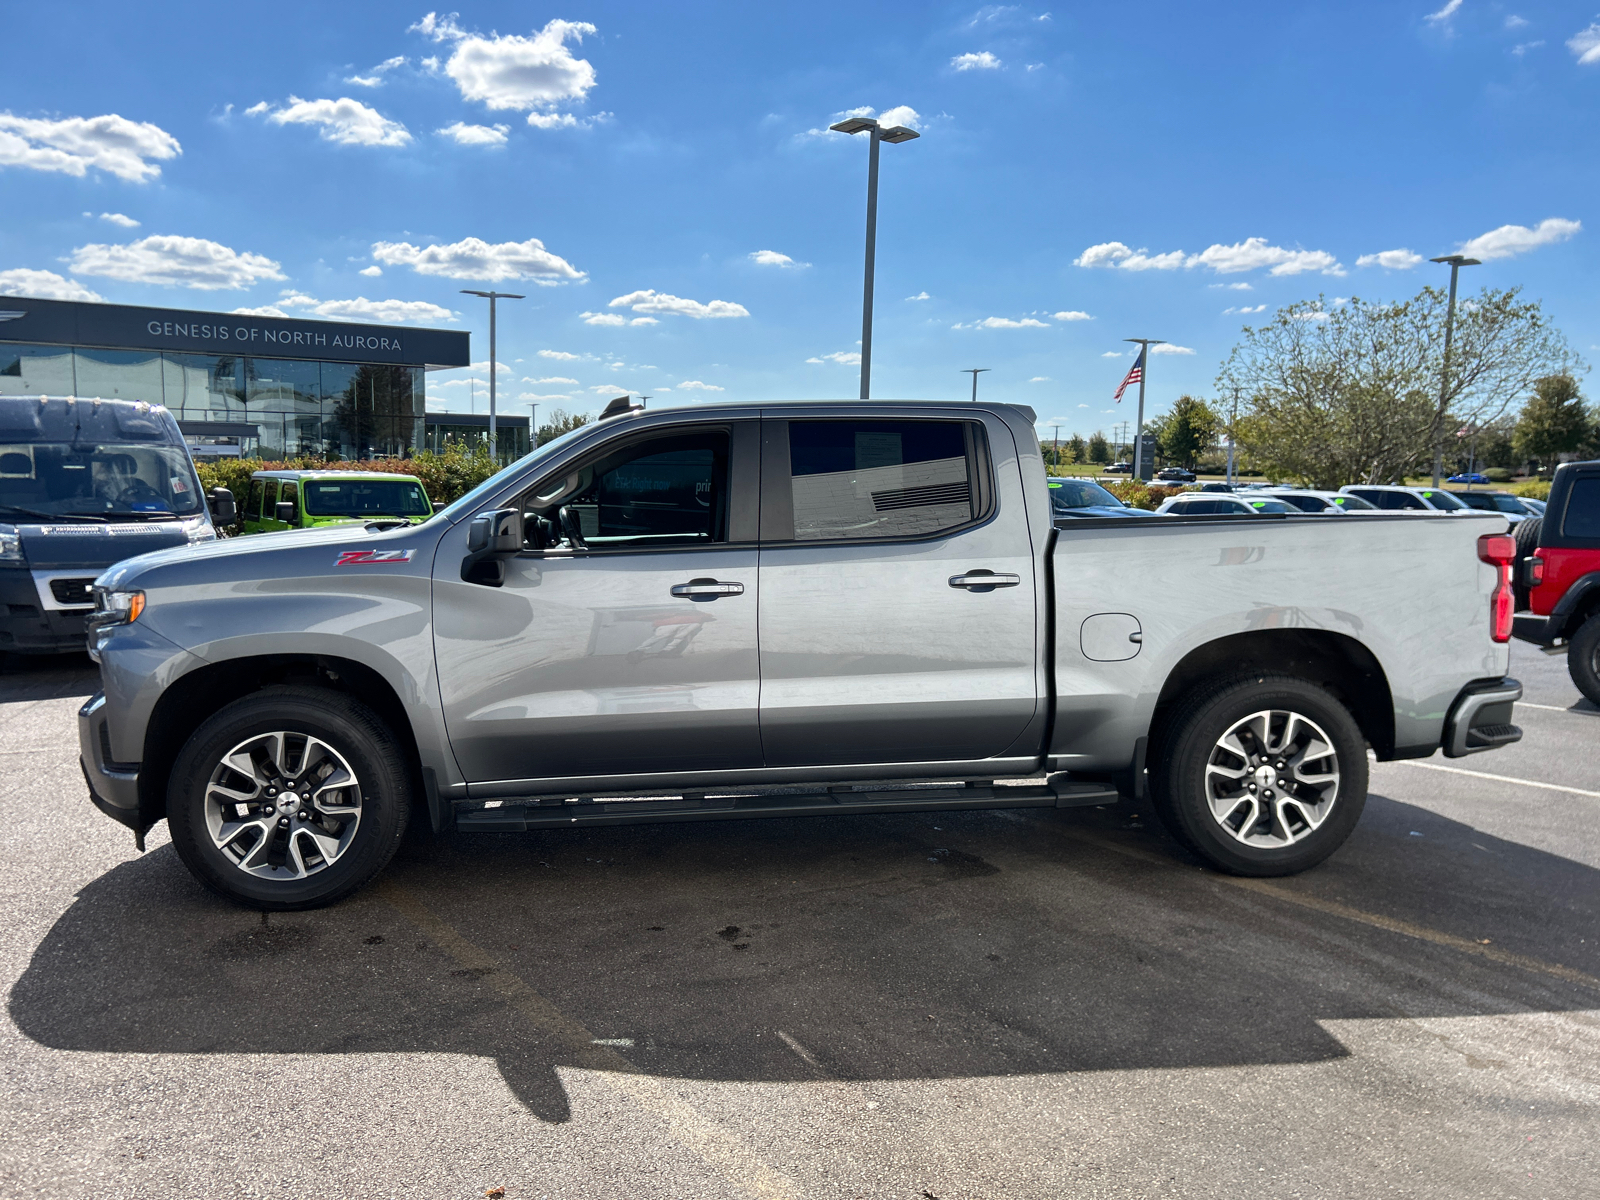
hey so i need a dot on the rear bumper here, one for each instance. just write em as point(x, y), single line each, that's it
point(113, 786)
point(1480, 719)
point(1536, 628)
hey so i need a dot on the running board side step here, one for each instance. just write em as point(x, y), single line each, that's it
point(548, 813)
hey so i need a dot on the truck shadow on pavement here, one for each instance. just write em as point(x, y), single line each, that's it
point(979, 944)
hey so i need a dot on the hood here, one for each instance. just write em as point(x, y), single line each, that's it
point(1099, 510)
point(71, 544)
point(214, 559)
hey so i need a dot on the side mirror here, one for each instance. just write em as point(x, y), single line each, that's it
point(286, 511)
point(223, 509)
point(491, 538)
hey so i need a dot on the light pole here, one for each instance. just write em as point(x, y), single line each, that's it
point(1138, 428)
point(1056, 429)
point(1456, 261)
point(973, 371)
point(1233, 421)
point(493, 362)
point(894, 134)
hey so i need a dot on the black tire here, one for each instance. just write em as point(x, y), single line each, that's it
point(1292, 832)
point(381, 797)
point(1583, 658)
point(1526, 534)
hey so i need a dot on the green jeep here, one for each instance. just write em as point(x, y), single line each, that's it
point(302, 499)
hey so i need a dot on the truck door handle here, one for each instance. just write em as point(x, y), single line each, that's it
point(984, 581)
point(707, 589)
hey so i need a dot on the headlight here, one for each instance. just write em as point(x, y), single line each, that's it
point(10, 544)
point(198, 529)
point(115, 608)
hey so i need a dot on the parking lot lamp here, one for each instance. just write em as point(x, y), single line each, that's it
point(974, 372)
point(492, 297)
point(1456, 261)
point(1138, 428)
point(892, 135)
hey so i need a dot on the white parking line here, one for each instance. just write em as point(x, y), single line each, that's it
point(1533, 783)
point(1577, 712)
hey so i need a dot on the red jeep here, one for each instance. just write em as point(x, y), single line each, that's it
point(1557, 574)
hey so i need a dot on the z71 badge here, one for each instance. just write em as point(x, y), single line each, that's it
point(360, 558)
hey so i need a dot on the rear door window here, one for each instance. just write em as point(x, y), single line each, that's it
point(291, 495)
point(875, 479)
point(252, 499)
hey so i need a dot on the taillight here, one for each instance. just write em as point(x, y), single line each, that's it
point(1532, 572)
point(1499, 550)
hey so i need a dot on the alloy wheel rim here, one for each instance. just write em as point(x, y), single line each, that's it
point(282, 806)
point(1272, 779)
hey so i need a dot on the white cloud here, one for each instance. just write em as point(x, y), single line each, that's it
point(920, 296)
point(1522, 48)
point(173, 262)
point(371, 272)
point(981, 61)
point(594, 318)
point(1586, 45)
point(343, 121)
point(562, 355)
point(1040, 379)
point(46, 285)
point(473, 258)
point(694, 385)
point(510, 71)
point(845, 358)
point(1002, 323)
point(1107, 354)
point(1246, 310)
point(1169, 348)
point(260, 310)
point(1515, 22)
point(72, 145)
point(362, 309)
point(1233, 287)
point(650, 301)
point(904, 114)
point(556, 379)
point(1248, 255)
point(1254, 253)
point(1073, 315)
point(1390, 260)
point(119, 219)
point(1445, 13)
point(771, 258)
point(375, 79)
point(475, 135)
point(1511, 240)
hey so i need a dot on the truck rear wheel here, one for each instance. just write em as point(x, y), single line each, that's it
point(1260, 774)
point(1583, 658)
point(290, 798)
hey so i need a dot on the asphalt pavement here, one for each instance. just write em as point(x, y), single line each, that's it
point(1005, 1004)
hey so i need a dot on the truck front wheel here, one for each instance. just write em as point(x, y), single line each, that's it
point(1583, 658)
point(290, 798)
point(1260, 774)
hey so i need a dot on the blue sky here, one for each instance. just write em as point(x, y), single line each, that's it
point(659, 181)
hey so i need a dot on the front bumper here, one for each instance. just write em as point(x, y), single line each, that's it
point(27, 626)
point(113, 786)
point(1480, 719)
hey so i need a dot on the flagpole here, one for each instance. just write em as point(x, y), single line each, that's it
point(1138, 430)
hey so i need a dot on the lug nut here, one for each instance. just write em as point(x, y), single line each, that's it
point(1268, 793)
point(1252, 787)
point(302, 814)
point(283, 822)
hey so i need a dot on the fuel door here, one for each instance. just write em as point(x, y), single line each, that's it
point(1110, 637)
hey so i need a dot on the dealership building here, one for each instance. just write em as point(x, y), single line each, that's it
point(276, 387)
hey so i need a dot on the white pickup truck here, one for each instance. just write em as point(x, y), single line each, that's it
point(778, 610)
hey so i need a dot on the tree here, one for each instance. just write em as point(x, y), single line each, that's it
point(560, 422)
point(1352, 392)
point(1076, 448)
point(1554, 421)
point(1099, 452)
point(1187, 431)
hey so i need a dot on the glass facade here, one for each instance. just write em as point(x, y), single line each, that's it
point(354, 410)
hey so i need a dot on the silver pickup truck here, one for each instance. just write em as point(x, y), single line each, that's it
point(777, 610)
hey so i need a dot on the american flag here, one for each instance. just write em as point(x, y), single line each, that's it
point(1133, 376)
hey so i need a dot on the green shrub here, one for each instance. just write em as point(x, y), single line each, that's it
point(1536, 489)
point(1498, 474)
point(1137, 494)
point(446, 477)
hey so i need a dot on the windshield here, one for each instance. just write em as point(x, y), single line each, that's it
point(365, 498)
point(1441, 500)
point(1272, 506)
point(1353, 504)
point(1080, 493)
point(103, 479)
point(1510, 504)
point(1309, 504)
point(473, 498)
